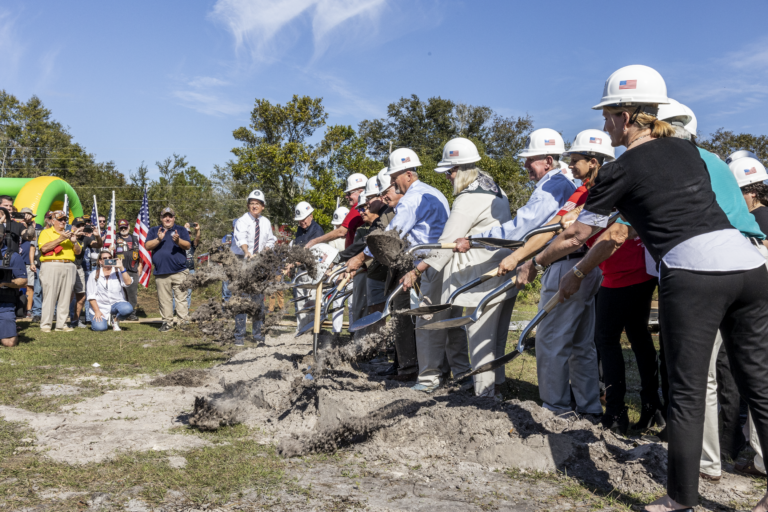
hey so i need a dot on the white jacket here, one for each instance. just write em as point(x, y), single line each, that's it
point(471, 214)
point(245, 233)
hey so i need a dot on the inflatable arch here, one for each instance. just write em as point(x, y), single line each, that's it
point(42, 195)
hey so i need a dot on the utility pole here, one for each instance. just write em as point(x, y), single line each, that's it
point(390, 147)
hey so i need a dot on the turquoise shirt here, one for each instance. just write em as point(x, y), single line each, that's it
point(729, 197)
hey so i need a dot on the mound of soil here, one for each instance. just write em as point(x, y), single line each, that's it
point(187, 378)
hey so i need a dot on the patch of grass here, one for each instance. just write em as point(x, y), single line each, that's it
point(67, 358)
point(212, 474)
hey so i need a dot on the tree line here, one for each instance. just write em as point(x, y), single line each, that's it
point(274, 153)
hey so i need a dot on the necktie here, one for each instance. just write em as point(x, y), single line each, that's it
point(256, 238)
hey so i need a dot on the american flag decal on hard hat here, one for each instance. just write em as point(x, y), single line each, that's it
point(595, 140)
point(549, 142)
point(628, 84)
point(747, 172)
point(453, 153)
point(406, 159)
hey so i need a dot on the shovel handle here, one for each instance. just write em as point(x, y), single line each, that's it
point(318, 306)
point(342, 284)
point(554, 301)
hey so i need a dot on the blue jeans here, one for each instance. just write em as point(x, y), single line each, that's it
point(118, 310)
point(225, 293)
point(189, 297)
point(37, 298)
point(240, 322)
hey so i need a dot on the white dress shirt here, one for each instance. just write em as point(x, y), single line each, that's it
point(245, 233)
point(107, 291)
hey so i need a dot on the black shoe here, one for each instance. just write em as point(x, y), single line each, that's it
point(650, 415)
point(618, 423)
point(36, 318)
point(166, 327)
point(392, 370)
point(132, 317)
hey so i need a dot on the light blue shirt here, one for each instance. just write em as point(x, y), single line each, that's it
point(552, 191)
point(420, 216)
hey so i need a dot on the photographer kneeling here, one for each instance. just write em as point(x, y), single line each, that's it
point(105, 292)
point(11, 280)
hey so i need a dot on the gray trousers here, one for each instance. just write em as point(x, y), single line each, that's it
point(444, 350)
point(566, 358)
point(132, 291)
point(58, 280)
point(488, 341)
point(358, 302)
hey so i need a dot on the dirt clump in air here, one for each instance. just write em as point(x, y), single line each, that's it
point(185, 377)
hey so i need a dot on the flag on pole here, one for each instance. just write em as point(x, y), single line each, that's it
point(95, 216)
point(110, 238)
point(66, 207)
point(140, 230)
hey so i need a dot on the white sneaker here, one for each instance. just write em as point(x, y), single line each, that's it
point(115, 326)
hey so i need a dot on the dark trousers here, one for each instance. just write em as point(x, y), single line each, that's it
point(693, 306)
point(731, 435)
point(132, 291)
point(405, 336)
point(620, 309)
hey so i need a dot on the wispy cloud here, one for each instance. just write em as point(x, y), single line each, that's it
point(11, 48)
point(204, 82)
point(266, 28)
point(211, 104)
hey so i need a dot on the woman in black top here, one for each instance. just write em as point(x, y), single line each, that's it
point(710, 276)
point(756, 196)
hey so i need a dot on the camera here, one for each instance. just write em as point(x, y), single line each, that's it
point(110, 263)
point(18, 215)
point(194, 224)
point(88, 229)
point(228, 239)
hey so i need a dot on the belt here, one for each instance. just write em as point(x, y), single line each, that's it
point(572, 256)
point(58, 261)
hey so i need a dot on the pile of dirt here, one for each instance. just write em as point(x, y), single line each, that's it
point(186, 377)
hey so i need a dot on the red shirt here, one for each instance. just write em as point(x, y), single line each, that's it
point(352, 221)
point(626, 266)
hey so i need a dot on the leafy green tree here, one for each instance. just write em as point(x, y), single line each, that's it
point(275, 155)
point(724, 142)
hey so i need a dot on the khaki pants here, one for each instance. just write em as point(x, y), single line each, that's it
point(169, 286)
point(487, 340)
point(58, 280)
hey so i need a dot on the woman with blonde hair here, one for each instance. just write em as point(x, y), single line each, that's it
point(478, 206)
point(711, 277)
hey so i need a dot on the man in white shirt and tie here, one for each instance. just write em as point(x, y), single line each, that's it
point(253, 233)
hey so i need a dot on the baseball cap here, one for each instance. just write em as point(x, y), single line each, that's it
point(167, 209)
point(27, 210)
point(122, 223)
point(78, 220)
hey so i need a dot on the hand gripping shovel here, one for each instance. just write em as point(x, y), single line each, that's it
point(375, 317)
point(521, 345)
point(436, 308)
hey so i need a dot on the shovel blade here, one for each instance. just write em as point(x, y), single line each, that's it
point(427, 310)
point(366, 321)
point(305, 329)
point(447, 324)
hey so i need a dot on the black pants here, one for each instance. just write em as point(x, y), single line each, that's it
point(620, 309)
point(693, 306)
point(405, 336)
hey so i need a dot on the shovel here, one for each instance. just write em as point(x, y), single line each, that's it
point(319, 318)
point(476, 314)
point(521, 345)
point(319, 307)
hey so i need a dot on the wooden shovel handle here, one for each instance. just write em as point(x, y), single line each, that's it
point(318, 307)
point(447, 246)
point(342, 284)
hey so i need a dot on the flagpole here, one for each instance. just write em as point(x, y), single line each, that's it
point(96, 207)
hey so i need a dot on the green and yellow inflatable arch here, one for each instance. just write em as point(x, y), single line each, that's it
point(42, 195)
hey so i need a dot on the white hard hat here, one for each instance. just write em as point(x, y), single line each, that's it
point(456, 152)
point(748, 171)
point(566, 171)
point(544, 141)
point(339, 215)
point(384, 180)
point(355, 181)
point(676, 113)
point(257, 194)
point(634, 85)
point(303, 210)
point(402, 159)
point(592, 143)
point(372, 187)
point(361, 199)
point(742, 153)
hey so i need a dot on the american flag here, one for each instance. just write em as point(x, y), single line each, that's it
point(453, 153)
point(595, 140)
point(549, 142)
point(94, 215)
point(747, 172)
point(140, 230)
point(109, 238)
point(406, 159)
point(628, 84)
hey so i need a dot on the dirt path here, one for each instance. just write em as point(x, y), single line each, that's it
point(395, 449)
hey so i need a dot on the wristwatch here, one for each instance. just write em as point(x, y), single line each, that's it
point(578, 273)
point(538, 267)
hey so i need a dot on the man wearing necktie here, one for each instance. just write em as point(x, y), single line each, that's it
point(253, 233)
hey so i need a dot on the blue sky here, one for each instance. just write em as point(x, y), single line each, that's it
point(138, 81)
